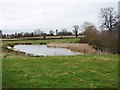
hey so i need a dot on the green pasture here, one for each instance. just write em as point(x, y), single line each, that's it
point(79, 71)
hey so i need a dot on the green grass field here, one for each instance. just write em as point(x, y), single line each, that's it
point(69, 40)
point(81, 71)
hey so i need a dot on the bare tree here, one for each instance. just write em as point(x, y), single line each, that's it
point(65, 32)
point(108, 18)
point(76, 27)
point(38, 32)
point(51, 32)
point(56, 31)
point(85, 25)
point(91, 33)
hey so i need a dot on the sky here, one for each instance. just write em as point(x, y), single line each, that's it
point(29, 15)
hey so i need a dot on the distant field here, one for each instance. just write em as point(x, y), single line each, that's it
point(64, 40)
point(81, 71)
point(47, 37)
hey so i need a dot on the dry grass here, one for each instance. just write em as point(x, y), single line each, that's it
point(83, 48)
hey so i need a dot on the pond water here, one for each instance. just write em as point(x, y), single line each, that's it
point(43, 50)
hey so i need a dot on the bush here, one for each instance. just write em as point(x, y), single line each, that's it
point(104, 40)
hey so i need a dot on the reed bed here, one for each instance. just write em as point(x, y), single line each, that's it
point(79, 47)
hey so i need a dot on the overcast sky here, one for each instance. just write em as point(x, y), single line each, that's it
point(28, 15)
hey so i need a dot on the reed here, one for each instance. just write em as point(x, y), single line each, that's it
point(80, 47)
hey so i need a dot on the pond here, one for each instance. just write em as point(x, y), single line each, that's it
point(43, 50)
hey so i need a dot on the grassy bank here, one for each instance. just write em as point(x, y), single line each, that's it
point(84, 71)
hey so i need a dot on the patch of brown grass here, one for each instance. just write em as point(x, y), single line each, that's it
point(82, 48)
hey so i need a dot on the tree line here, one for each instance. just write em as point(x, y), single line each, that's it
point(39, 33)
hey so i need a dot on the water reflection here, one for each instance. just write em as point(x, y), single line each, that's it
point(43, 50)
